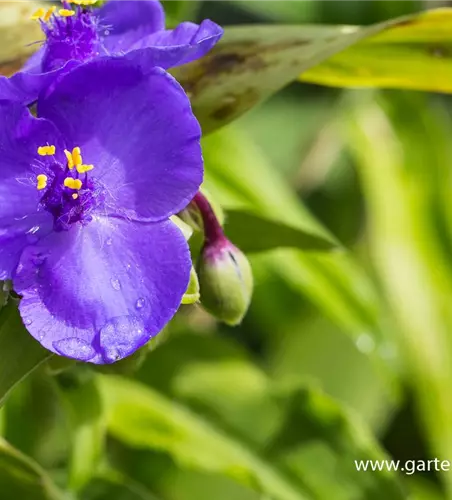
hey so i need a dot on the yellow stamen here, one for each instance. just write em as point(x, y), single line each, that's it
point(42, 181)
point(49, 13)
point(83, 2)
point(72, 183)
point(82, 169)
point(66, 12)
point(38, 14)
point(77, 156)
point(70, 162)
point(46, 150)
point(74, 196)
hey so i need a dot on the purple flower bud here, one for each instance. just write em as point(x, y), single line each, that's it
point(224, 273)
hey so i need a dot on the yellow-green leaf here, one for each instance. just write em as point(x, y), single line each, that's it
point(413, 53)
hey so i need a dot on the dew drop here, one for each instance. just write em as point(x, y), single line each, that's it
point(73, 347)
point(121, 336)
point(33, 230)
point(115, 283)
point(139, 304)
point(28, 322)
point(109, 241)
point(365, 343)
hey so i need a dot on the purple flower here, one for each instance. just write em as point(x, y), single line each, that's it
point(132, 28)
point(86, 193)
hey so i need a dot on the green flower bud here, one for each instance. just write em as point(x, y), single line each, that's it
point(226, 280)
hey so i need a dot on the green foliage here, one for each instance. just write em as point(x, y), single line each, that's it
point(21, 354)
point(20, 477)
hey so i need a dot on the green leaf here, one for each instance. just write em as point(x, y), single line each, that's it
point(21, 477)
point(143, 418)
point(178, 11)
point(296, 427)
point(406, 190)
point(256, 233)
point(317, 431)
point(412, 52)
point(84, 406)
point(251, 63)
point(20, 352)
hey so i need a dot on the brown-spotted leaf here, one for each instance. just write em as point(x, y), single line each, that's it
point(252, 62)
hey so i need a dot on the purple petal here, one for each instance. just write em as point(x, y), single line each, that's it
point(129, 21)
point(20, 136)
point(34, 62)
point(137, 130)
point(15, 235)
point(25, 86)
point(99, 292)
point(169, 48)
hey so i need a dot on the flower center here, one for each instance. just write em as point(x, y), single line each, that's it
point(70, 34)
point(69, 193)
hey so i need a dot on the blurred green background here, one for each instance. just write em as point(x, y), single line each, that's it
point(343, 356)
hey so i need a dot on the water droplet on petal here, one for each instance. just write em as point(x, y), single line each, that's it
point(109, 241)
point(73, 347)
point(28, 322)
point(115, 284)
point(121, 336)
point(365, 343)
point(139, 304)
point(33, 230)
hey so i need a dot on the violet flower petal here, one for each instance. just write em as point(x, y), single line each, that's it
point(137, 130)
point(126, 22)
point(20, 136)
point(168, 48)
point(99, 292)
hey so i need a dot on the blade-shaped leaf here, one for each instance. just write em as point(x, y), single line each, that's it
point(256, 233)
point(20, 352)
point(143, 418)
point(21, 477)
point(414, 53)
point(252, 62)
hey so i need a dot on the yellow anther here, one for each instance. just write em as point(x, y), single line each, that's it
point(46, 150)
point(83, 2)
point(70, 162)
point(38, 14)
point(82, 169)
point(42, 181)
point(74, 196)
point(72, 183)
point(66, 12)
point(49, 13)
point(77, 156)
